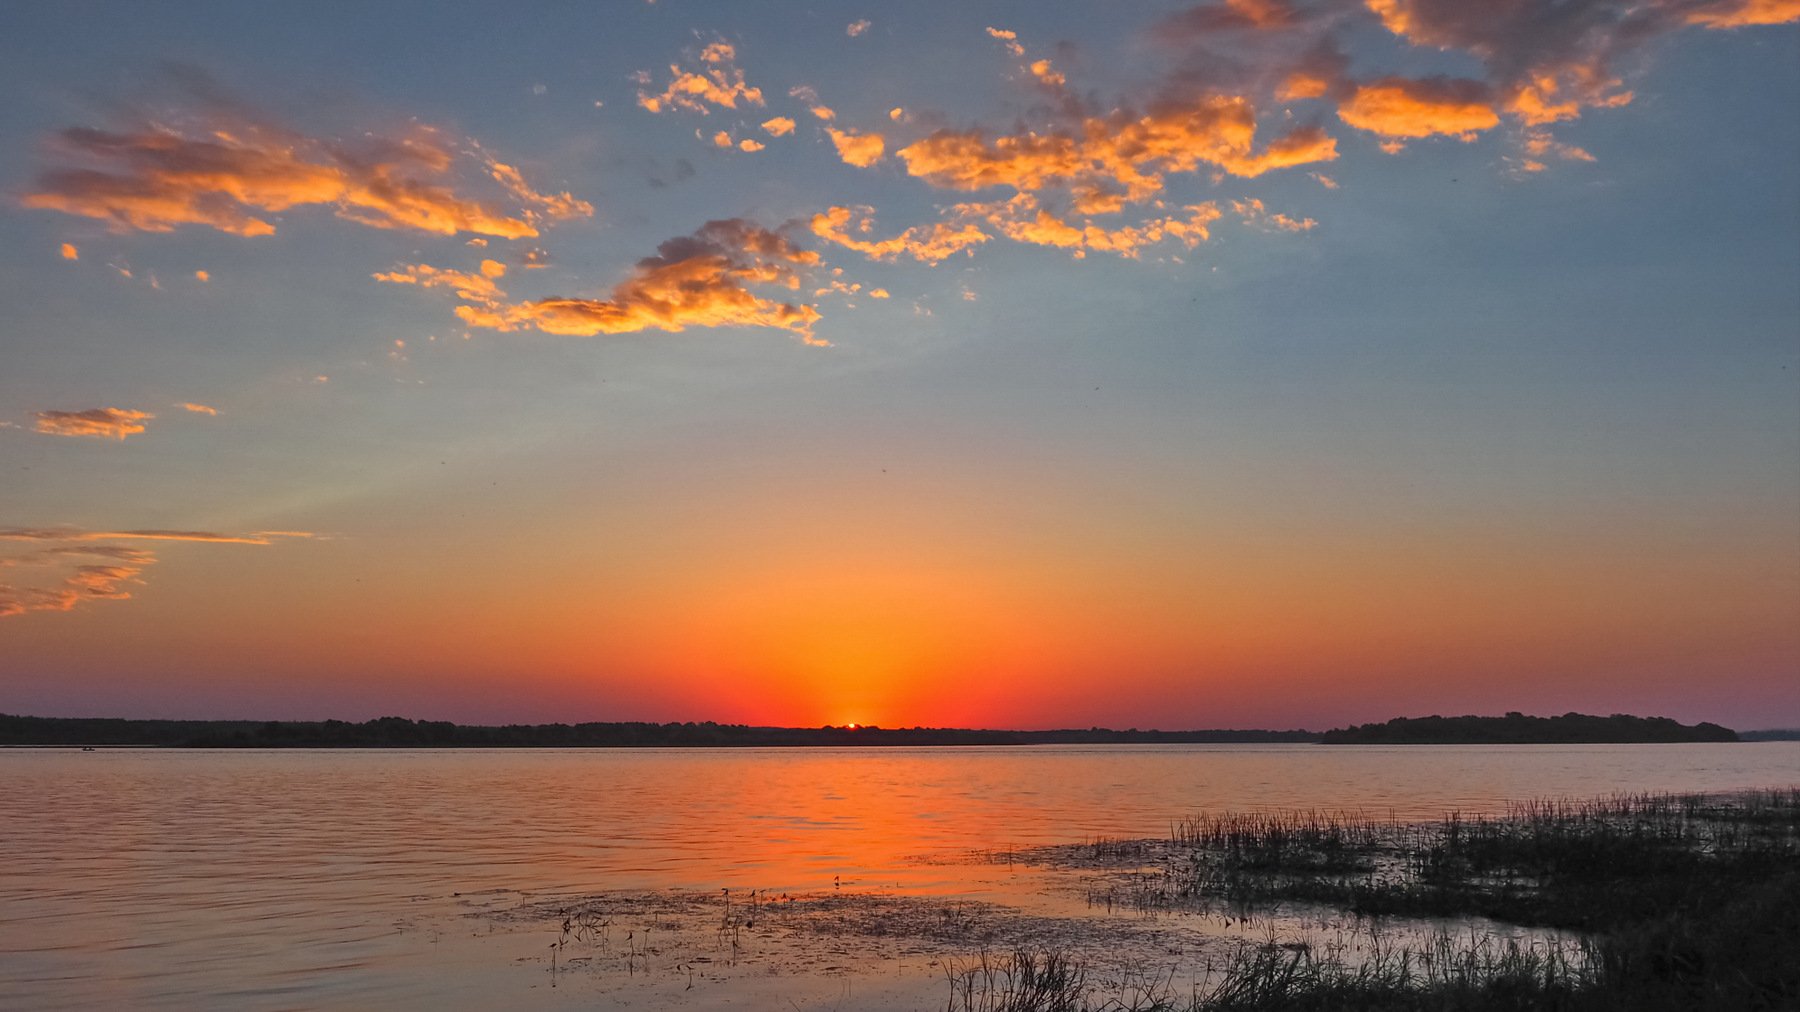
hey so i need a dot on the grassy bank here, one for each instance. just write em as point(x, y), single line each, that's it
point(1673, 902)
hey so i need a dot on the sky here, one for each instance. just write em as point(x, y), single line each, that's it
point(1249, 363)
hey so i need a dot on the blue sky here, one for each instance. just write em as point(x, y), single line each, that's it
point(1458, 404)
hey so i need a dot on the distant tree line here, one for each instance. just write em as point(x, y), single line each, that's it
point(1516, 728)
point(399, 732)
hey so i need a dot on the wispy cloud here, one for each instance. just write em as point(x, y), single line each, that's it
point(218, 164)
point(810, 99)
point(198, 409)
point(849, 227)
point(73, 567)
point(100, 423)
point(712, 278)
point(712, 81)
point(77, 534)
point(1255, 87)
point(1023, 219)
point(1254, 213)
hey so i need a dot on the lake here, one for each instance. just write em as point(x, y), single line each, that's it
point(438, 879)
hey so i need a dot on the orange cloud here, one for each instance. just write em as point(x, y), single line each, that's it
point(750, 144)
point(1046, 74)
point(69, 252)
point(1303, 84)
point(472, 287)
point(1232, 15)
point(1744, 13)
point(856, 28)
point(1539, 143)
point(198, 409)
point(202, 276)
point(1405, 107)
point(1257, 215)
point(100, 423)
point(1539, 62)
point(1548, 62)
point(926, 243)
point(1022, 219)
point(780, 126)
point(1123, 154)
point(225, 172)
point(707, 279)
point(861, 150)
point(77, 534)
point(1007, 38)
point(811, 98)
point(554, 206)
point(81, 571)
point(716, 83)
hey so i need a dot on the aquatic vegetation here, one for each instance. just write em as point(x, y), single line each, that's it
point(1678, 901)
point(1025, 981)
point(1583, 865)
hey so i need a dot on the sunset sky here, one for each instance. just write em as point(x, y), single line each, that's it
point(1254, 363)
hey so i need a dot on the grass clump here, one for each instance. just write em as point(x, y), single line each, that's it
point(1676, 902)
point(1586, 866)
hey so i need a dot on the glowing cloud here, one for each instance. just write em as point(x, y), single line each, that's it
point(780, 126)
point(1022, 219)
point(860, 150)
point(927, 243)
point(1547, 62)
point(554, 206)
point(471, 286)
point(198, 409)
point(224, 169)
point(69, 252)
point(855, 28)
point(78, 570)
point(77, 534)
point(715, 83)
point(99, 423)
point(1744, 13)
point(1125, 155)
point(1399, 107)
point(702, 280)
point(1255, 214)
point(811, 98)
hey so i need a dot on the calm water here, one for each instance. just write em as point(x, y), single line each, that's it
point(304, 879)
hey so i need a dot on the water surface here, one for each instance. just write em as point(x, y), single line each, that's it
point(305, 879)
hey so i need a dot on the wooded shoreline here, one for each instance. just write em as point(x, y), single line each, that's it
point(399, 732)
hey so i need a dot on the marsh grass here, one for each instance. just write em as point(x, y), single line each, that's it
point(1025, 981)
point(1585, 866)
point(1677, 902)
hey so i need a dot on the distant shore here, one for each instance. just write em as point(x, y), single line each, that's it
point(399, 732)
